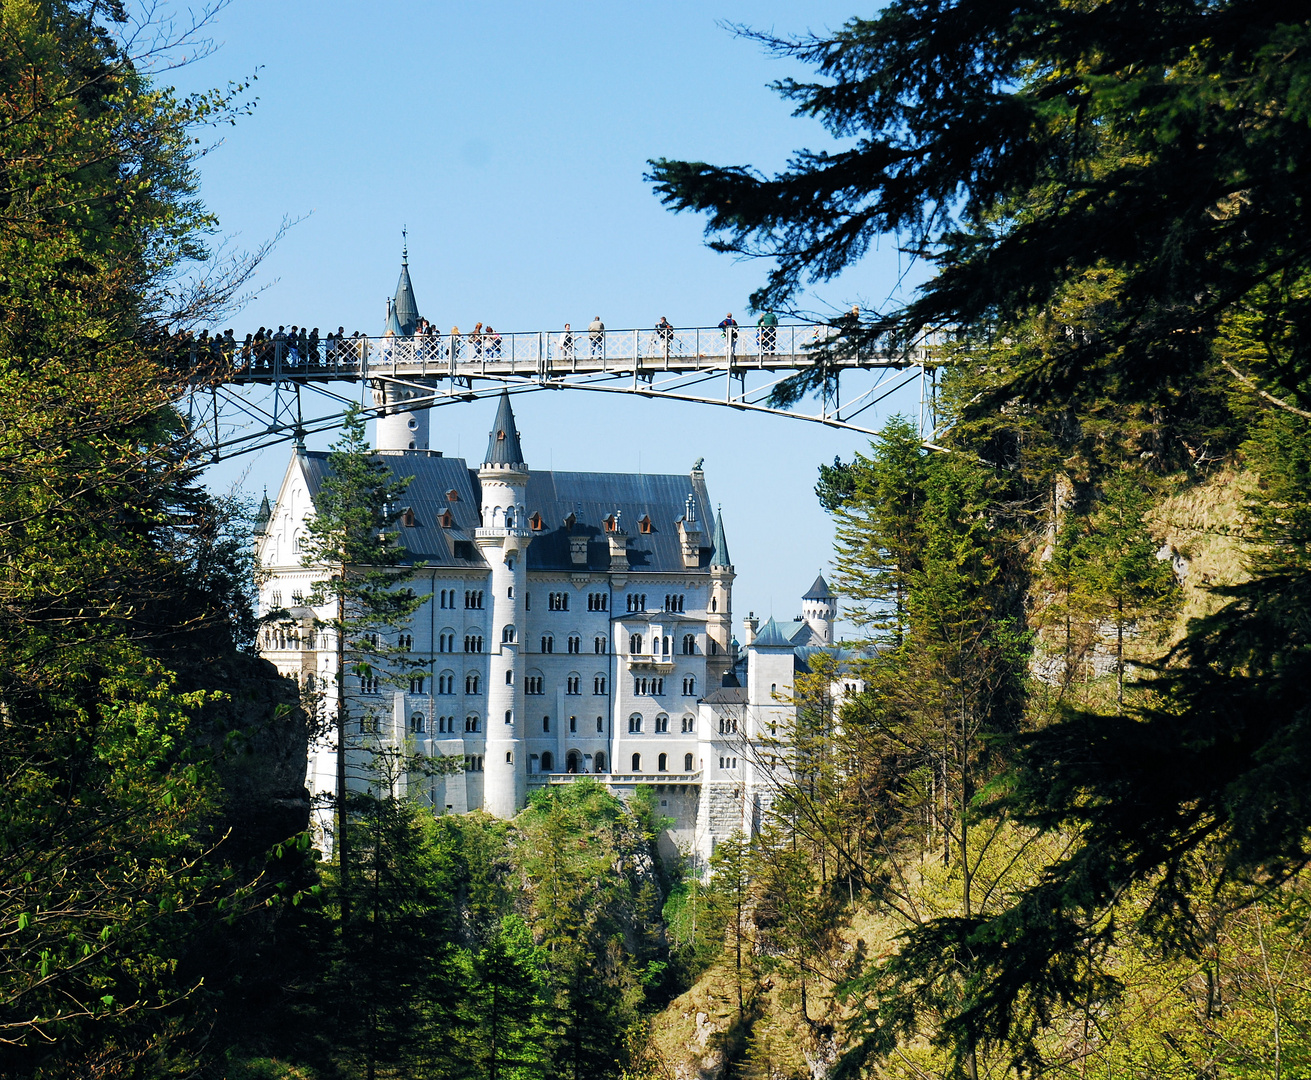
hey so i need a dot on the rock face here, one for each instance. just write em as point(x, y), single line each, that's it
point(258, 739)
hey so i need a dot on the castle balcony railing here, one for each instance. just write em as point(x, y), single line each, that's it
point(658, 661)
point(539, 780)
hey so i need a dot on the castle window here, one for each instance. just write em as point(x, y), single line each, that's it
point(546, 724)
point(714, 603)
point(416, 723)
point(548, 643)
point(598, 602)
point(509, 719)
point(662, 763)
point(644, 523)
point(598, 645)
point(687, 762)
point(634, 643)
point(407, 518)
point(664, 645)
point(507, 634)
point(471, 722)
point(689, 686)
point(445, 518)
point(509, 517)
point(532, 684)
point(662, 724)
point(773, 689)
point(535, 522)
point(452, 496)
point(405, 642)
point(370, 684)
point(471, 684)
point(689, 644)
point(463, 549)
point(639, 685)
point(473, 598)
point(611, 523)
point(509, 678)
point(714, 647)
point(575, 643)
point(573, 723)
point(674, 602)
point(548, 762)
point(637, 763)
point(600, 724)
point(572, 684)
point(557, 601)
point(416, 683)
point(600, 762)
point(509, 592)
point(635, 723)
point(473, 643)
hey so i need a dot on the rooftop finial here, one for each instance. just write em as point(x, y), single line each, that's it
point(405, 245)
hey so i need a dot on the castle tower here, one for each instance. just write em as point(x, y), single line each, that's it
point(819, 607)
point(401, 427)
point(503, 540)
point(719, 616)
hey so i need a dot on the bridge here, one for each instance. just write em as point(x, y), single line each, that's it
point(245, 396)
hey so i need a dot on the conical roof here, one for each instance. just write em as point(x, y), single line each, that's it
point(819, 590)
point(393, 327)
point(503, 446)
point(265, 511)
point(771, 636)
point(720, 556)
point(405, 309)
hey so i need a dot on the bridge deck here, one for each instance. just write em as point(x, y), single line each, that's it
point(546, 355)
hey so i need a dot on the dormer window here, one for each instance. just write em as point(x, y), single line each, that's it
point(407, 517)
point(570, 521)
point(500, 436)
point(535, 522)
point(452, 496)
point(644, 523)
point(611, 523)
point(447, 519)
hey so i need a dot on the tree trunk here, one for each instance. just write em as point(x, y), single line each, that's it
point(343, 863)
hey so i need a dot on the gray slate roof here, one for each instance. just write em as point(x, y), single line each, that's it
point(427, 541)
point(591, 497)
point(819, 590)
point(503, 440)
point(771, 636)
point(405, 306)
point(720, 557)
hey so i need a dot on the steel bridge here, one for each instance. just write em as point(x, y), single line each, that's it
point(242, 397)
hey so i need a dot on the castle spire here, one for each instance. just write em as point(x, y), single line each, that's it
point(720, 556)
point(503, 445)
point(405, 309)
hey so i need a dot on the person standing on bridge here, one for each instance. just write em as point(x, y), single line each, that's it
point(596, 336)
point(728, 325)
point(567, 344)
point(768, 331)
point(665, 335)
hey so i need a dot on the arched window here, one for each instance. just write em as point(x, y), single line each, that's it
point(599, 761)
point(573, 683)
point(471, 722)
point(689, 644)
point(637, 763)
point(689, 685)
point(416, 723)
point(662, 723)
point(600, 724)
point(509, 719)
point(598, 645)
point(546, 723)
point(634, 643)
point(509, 517)
point(598, 685)
point(574, 761)
point(548, 762)
point(689, 723)
point(573, 723)
point(662, 763)
point(548, 643)
point(471, 683)
point(687, 762)
point(507, 634)
point(635, 722)
point(575, 643)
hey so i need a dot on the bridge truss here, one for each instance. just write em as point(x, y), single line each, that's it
point(242, 398)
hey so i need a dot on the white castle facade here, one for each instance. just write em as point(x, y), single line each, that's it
point(575, 623)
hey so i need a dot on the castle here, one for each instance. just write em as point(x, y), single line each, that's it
point(575, 623)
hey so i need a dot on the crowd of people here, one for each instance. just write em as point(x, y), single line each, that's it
point(303, 347)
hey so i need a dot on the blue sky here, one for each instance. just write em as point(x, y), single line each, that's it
point(511, 140)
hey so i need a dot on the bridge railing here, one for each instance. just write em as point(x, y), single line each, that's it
point(535, 353)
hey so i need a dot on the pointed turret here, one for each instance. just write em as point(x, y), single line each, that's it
point(819, 590)
point(404, 307)
point(392, 328)
point(720, 556)
point(264, 513)
point(503, 445)
point(819, 607)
